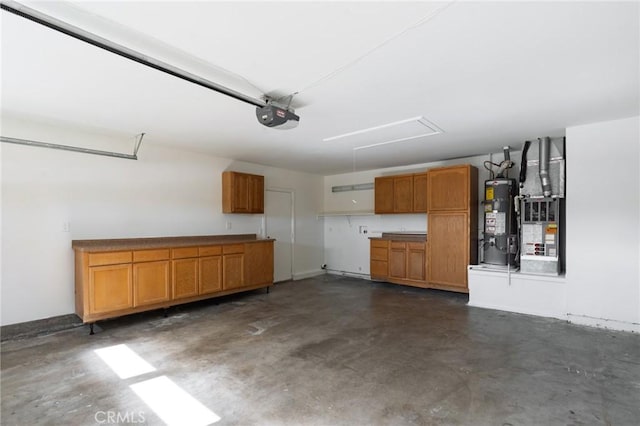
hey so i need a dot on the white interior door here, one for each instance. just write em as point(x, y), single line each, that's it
point(278, 212)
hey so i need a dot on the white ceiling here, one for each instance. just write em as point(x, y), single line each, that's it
point(487, 74)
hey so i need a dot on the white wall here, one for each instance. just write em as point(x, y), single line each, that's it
point(167, 192)
point(346, 250)
point(603, 224)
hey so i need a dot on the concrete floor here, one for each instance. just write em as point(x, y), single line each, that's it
point(335, 351)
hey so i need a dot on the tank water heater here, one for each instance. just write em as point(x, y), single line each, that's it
point(500, 227)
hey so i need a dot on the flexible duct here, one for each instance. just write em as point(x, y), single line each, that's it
point(523, 163)
point(545, 146)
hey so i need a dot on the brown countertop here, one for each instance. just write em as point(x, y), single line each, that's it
point(401, 236)
point(161, 242)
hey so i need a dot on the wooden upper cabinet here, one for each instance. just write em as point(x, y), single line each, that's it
point(242, 193)
point(256, 194)
point(403, 194)
point(397, 194)
point(420, 192)
point(383, 191)
point(449, 188)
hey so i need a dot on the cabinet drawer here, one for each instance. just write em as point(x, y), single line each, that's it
point(398, 245)
point(416, 246)
point(233, 248)
point(380, 243)
point(379, 253)
point(109, 258)
point(150, 255)
point(210, 251)
point(184, 252)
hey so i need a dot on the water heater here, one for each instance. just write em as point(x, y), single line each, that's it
point(500, 226)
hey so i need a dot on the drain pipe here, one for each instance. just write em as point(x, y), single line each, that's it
point(545, 146)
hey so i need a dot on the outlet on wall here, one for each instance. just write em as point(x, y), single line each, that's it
point(228, 225)
point(66, 226)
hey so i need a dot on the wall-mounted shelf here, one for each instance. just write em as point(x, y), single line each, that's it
point(348, 215)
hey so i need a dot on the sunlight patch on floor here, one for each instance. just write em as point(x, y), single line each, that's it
point(124, 361)
point(172, 404)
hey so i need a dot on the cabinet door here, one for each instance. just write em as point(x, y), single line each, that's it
point(420, 193)
point(448, 251)
point(210, 274)
point(403, 194)
point(256, 194)
point(448, 188)
point(416, 261)
point(110, 288)
point(185, 278)
point(151, 283)
point(240, 193)
point(398, 260)
point(232, 271)
point(258, 263)
point(383, 190)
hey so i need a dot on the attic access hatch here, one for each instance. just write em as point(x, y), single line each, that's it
point(398, 131)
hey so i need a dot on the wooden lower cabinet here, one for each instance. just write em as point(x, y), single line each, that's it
point(110, 284)
point(110, 288)
point(379, 259)
point(449, 232)
point(258, 268)
point(233, 266)
point(185, 278)
point(151, 283)
point(400, 262)
point(233, 271)
point(416, 261)
point(210, 274)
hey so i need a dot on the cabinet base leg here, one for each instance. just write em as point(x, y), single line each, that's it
point(165, 312)
point(91, 333)
point(268, 289)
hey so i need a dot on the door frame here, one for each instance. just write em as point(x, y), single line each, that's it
point(292, 193)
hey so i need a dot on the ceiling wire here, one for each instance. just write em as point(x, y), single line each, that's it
point(354, 61)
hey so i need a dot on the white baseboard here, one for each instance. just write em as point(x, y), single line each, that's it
point(518, 310)
point(308, 274)
point(348, 274)
point(604, 323)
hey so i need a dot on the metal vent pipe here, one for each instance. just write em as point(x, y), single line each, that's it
point(545, 147)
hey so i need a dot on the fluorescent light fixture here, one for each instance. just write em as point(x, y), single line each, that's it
point(173, 404)
point(355, 187)
point(398, 131)
point(124, 362)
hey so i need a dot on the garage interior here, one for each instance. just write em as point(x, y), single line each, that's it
point(296, 213)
